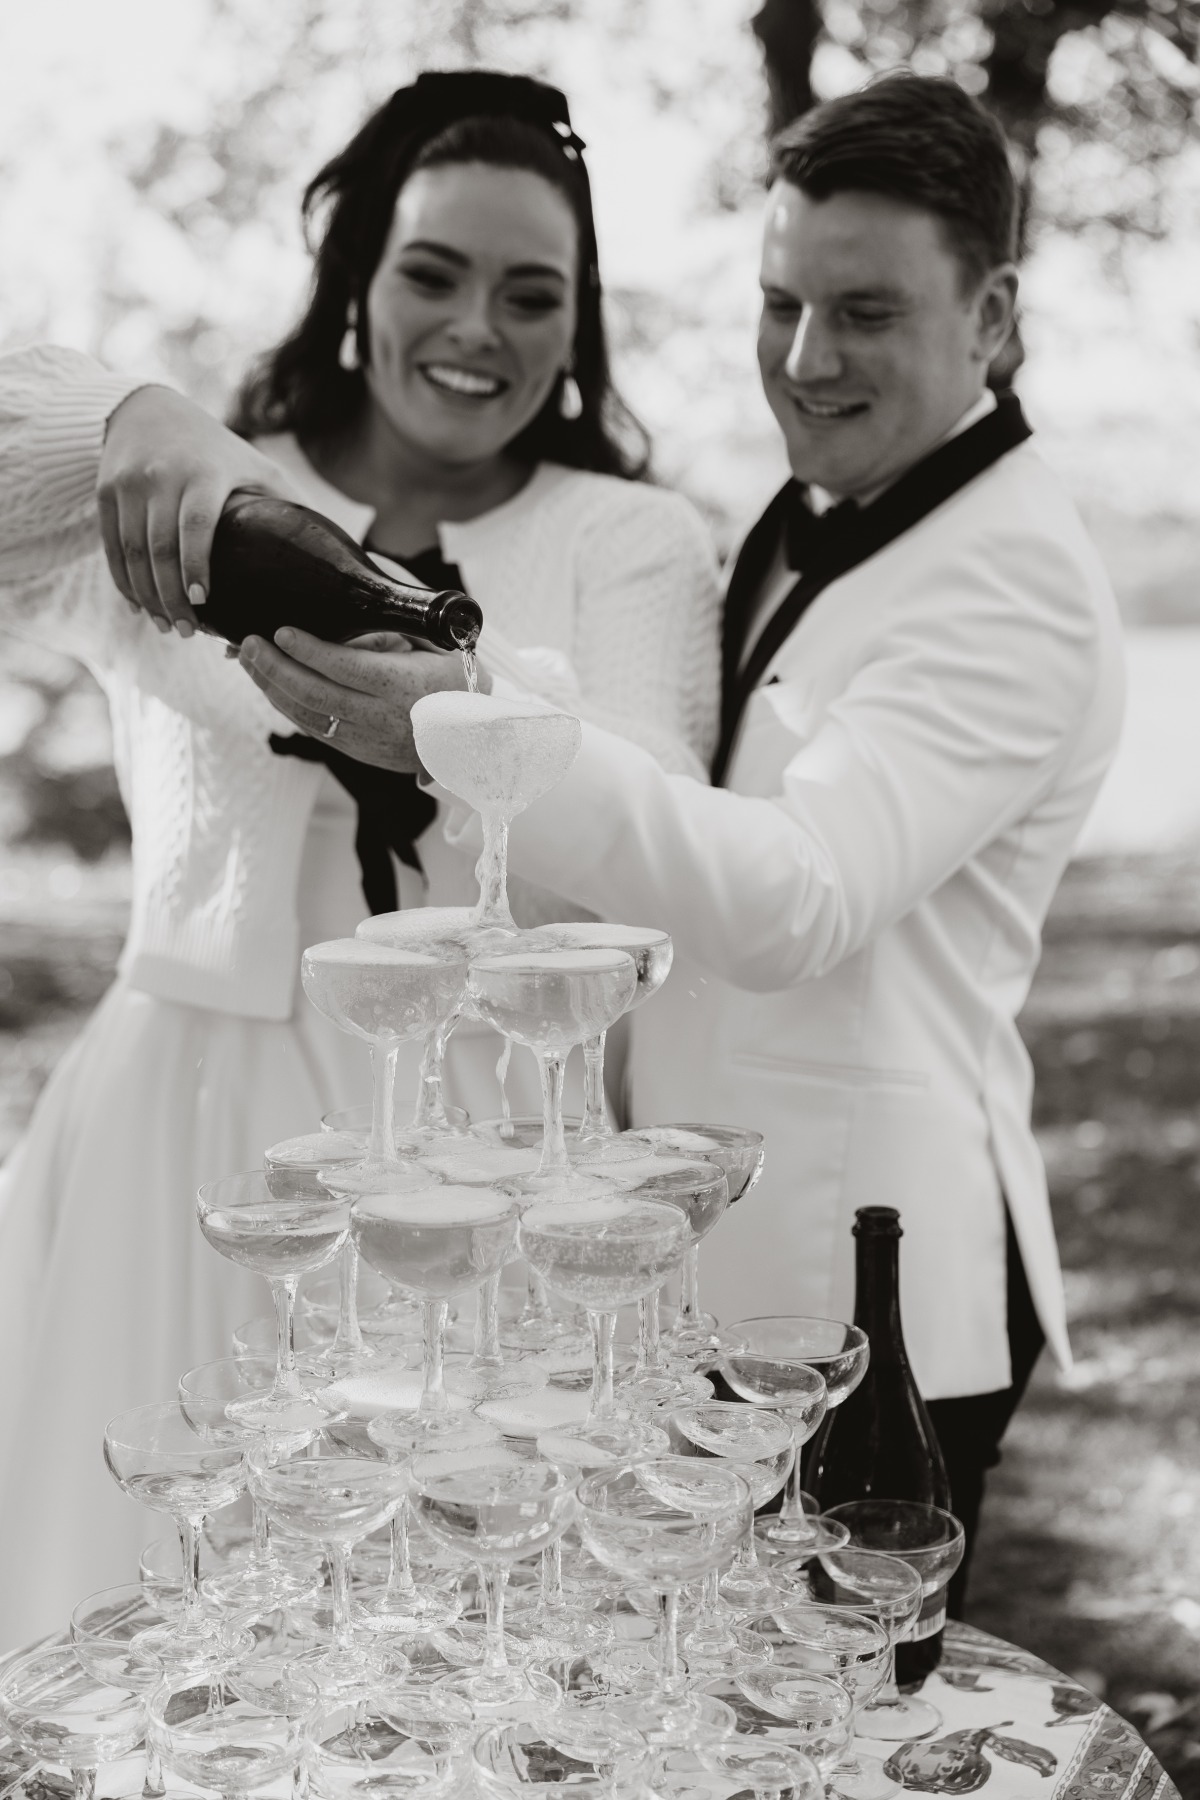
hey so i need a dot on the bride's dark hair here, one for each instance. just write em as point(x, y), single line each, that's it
point(509, 122)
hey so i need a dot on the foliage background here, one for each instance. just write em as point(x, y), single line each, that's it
point(151, 161)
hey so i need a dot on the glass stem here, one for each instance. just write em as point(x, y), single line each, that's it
point(83, 1784)
point(348, 1339)
point(888, 1693)
point(400, 1580)
point(431, 1106)
point(603, 1406)
point(668, 1644)
point(792, 1507)
point(689, 1292)
point(649, 1357)
point(434, 1314)
point(552, 1587)
point(339, 1569)
point(153, 1787)
point(382, 1144)
point(552, 1068)
point(493, 1581)
point(283, 1293)
point(487, 1326)
point(710, 1604)
point(594, 1126)
point(261, 1552)
point(189, 1544)
point(536, 1310)
point(491, 872)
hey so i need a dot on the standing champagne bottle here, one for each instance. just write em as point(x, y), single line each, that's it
point(880, 1443)
point(276, 563)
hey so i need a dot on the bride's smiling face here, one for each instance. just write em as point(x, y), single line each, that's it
point(471, 312)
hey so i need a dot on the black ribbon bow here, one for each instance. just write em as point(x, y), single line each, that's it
point(392, 810)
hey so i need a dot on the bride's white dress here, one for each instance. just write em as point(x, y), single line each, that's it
point(205, 1050)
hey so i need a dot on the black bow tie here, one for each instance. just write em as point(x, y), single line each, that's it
point(808, 536)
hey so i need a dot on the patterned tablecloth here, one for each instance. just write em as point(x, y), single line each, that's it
point(1012, 1725)
point(1017, 1728)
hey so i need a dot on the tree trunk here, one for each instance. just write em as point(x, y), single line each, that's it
point(788, 31)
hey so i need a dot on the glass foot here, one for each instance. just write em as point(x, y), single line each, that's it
point(283, 1413)
point(749, 1590)
point(676, 1722)
point(262, 1588)
point(499, 1381)
point(718, 1647)
point(806, 1536)
point(657, 1391)
point(862, 1778)
point(511, 1691)
point(899, 1721)
point(593, 1446)
point(346, 1672)
point(418, 1610)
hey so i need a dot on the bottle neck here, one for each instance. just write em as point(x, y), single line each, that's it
point(877, 1295)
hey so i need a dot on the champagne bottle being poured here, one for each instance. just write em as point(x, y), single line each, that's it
point(275, 563)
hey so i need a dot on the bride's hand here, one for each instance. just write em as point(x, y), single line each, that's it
point(166, 471)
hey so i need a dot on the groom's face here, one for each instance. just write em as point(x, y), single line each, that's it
point(872, 344)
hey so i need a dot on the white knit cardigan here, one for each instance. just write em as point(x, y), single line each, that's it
point(600, 593)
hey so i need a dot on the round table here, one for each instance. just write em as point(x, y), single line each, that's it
point(1012, 1725)
point(1021, 1730)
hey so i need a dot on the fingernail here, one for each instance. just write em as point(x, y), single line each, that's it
point(163, 625)
point(196, 594)
point(185, 628)
point(285, 637)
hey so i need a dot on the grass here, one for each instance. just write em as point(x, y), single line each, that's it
point(1090, 1553)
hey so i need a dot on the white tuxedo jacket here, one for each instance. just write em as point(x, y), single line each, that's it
point(857, 913)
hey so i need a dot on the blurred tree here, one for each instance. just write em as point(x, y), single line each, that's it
point(1097, 96)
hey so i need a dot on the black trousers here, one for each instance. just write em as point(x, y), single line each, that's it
point(969, 1430)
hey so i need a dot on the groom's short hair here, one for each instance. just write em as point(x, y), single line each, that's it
point(917, 138)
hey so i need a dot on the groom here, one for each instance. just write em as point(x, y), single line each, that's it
point(922, 692)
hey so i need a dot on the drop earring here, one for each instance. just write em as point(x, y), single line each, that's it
point(348, 348)
point(570, 400)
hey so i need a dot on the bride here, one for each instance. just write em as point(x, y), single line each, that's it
point(446, 399)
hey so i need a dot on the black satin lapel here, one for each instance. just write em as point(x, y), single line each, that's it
point(918, 493)
point(744, 587)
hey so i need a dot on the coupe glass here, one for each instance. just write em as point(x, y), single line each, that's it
point(777, 1366)
point(60, 1713)
point(701, 1191)
point(566, 1757)
point(761, 1445)
point(264, 1581)
point(833, 1641)
point(398, 1745)
point(386, 997)
point(436, 930)
point(492, 1508)
point(432, 1243)
point(401, 1606)
point(499, 756)
point(767, 1770)
point(931, 1541)
point(156, 1458)
point(293, 1169)
point(234, 1732)
point(550, 1001)
point(886, 1590)
point(660, 1525)
point(603, 1254)
point(807, 1712)
point(695, 1337)
point(280, 1239)
point(652, 952)
point(333, 1500)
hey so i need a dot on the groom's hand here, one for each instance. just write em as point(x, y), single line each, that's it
point(369, 686)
